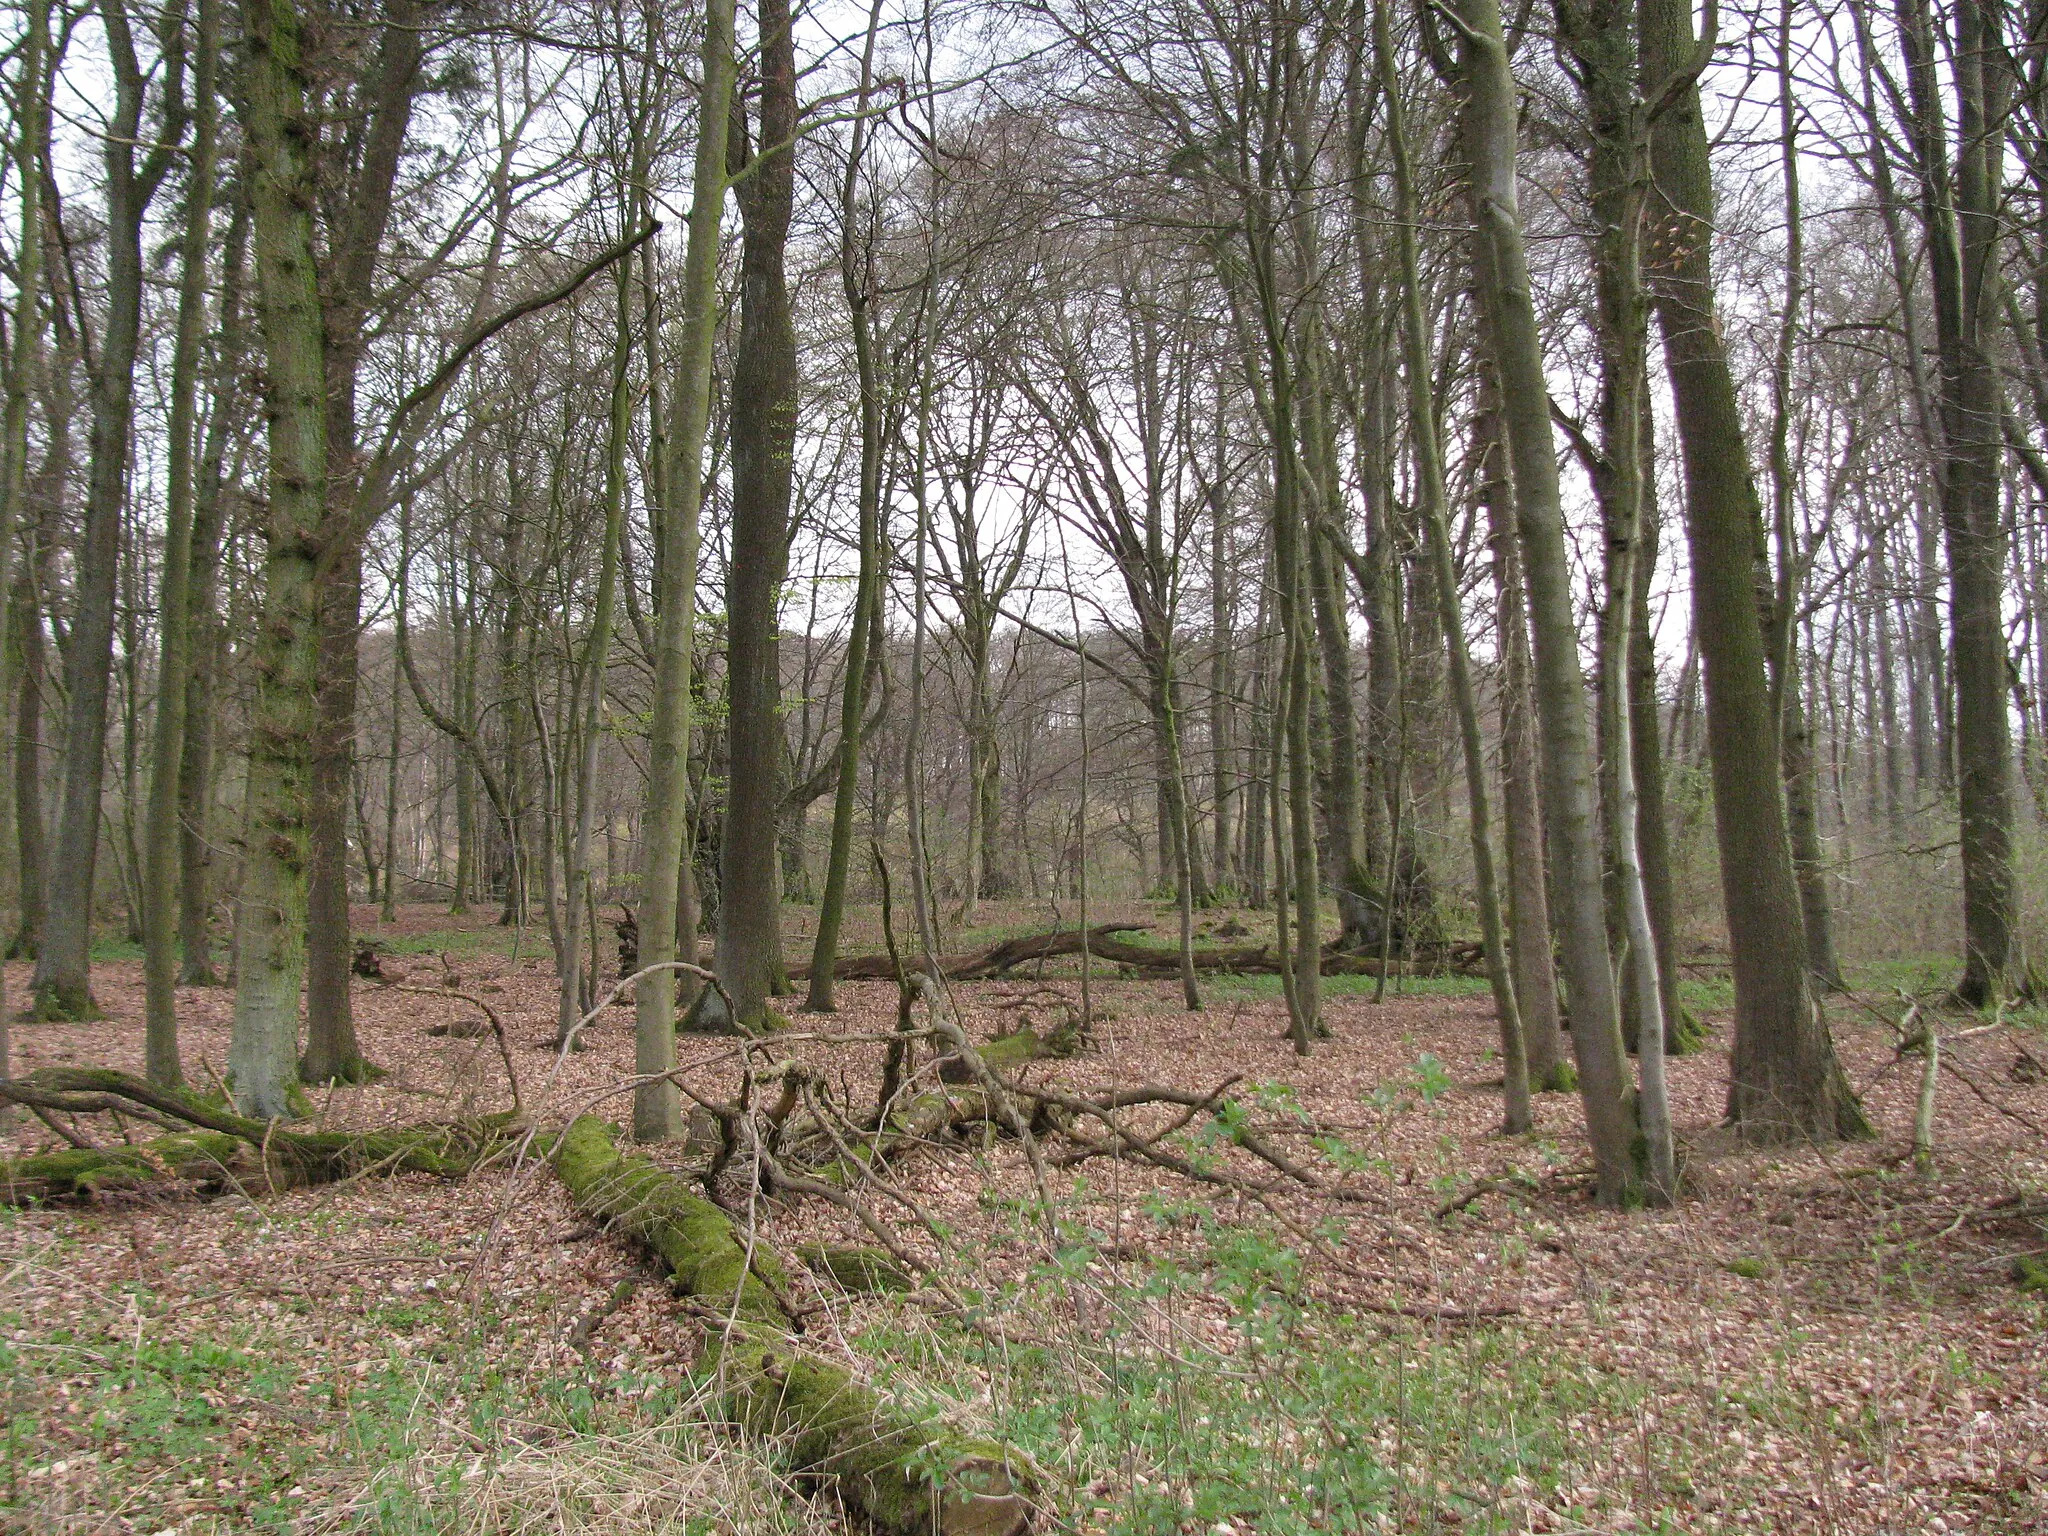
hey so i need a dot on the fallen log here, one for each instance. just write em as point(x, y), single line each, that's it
point(977, 965)
point(1259, 959)
point(224, 1149)
point(909, 1476)
point(1462, 958)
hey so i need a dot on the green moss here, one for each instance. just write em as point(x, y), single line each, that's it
point(1748, 1269)
point(2029, 1274)
point(866, 1270)
point(74, 1173)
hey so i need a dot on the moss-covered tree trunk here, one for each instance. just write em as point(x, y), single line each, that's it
point(907, 1475)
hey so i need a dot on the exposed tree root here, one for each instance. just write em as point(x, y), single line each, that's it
point(907, 1475)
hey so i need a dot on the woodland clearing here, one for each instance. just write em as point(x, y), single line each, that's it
point(1810, 1341)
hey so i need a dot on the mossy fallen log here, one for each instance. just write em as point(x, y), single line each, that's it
point(223, 1149)
point(1255, 959)
point(80, 1173)
point(913, 1476)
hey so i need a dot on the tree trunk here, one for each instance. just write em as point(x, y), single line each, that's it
point(1569, 786)
point(353, 245)
point(1795, 737)
point(174, 605)
point(1784, 1078)
point(1531, 944)
point(1962, 209)
point(26, 618)
point(857, 278)
point(764, 403)
point(1646, 740)
point(61, 986)
point(590, 679)
point(195, 769)
point(24, 363)
point(664, 823)
point(1428, 451)
point(270, 927)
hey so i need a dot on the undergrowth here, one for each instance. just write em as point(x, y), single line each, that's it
point(1210, 1395)
point(127, 1421)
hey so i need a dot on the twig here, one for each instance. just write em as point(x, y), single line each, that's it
point(497, 1028)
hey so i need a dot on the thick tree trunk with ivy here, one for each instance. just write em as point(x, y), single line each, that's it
point(270, 930)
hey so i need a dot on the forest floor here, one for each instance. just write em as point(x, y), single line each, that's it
point(1813, 1340)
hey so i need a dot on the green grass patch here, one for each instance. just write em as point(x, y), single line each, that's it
point(1289, 1418)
